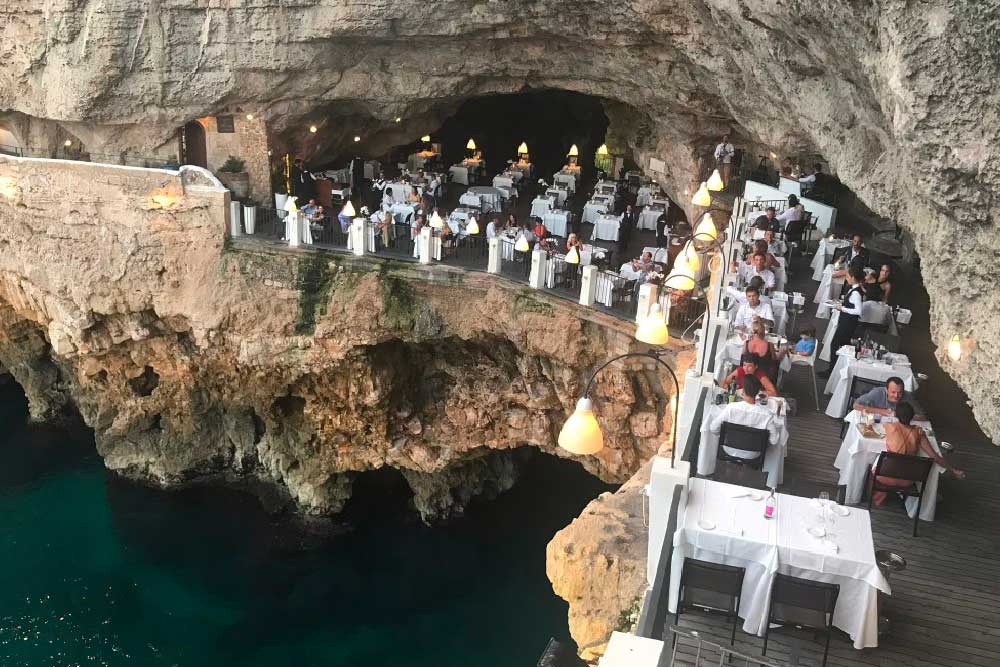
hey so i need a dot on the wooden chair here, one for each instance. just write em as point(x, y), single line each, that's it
point(914, 469)
point(803, 603)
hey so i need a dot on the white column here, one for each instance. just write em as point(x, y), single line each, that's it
point(358, 236)
point(295, 229)
point(493, 263)
point(249, 218)
point(662, 480)
point(588, 285)
point(235, 229)
point(647, 297)
point(424, 244)
point(536, 279)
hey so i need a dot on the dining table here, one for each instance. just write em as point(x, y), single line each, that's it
point(555, 221)
point(650, 214)
point(847, 368)
point(731, 352)
point(725, 523)
point(824, 254)
point(567, 179)
point(774, 457)
point(858, 452)
point(592, 210)
point(606, 227)
point(541, 205)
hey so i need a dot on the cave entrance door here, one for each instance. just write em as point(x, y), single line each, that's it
point(194, 150)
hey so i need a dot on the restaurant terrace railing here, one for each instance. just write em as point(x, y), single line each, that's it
point(69, 153)
point(589, 285)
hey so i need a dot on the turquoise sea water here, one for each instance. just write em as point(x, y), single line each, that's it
point(98, 571)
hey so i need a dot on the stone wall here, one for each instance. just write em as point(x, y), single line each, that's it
point(247, 142)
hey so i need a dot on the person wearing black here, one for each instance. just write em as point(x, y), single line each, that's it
point(850, 314)
point(767, 221)
point(630, 221)
point(852, 255)
point(303, 182)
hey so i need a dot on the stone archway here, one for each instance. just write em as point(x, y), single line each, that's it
point(195, 151)
point(9, 143)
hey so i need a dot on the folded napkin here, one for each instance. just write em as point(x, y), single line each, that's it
point(829, 545)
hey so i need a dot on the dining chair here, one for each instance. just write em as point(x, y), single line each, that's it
point(914, 469)
point(712, 588)
point(810, 363)
point(743, 438)
point(808, 605)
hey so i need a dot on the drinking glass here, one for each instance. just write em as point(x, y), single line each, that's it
point(824, 500)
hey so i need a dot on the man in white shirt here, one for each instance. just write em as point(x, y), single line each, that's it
point(753, 309)
point(724, 153)
point(757, 267)
point(747, 413)
point(491, 229)
point(808, 182)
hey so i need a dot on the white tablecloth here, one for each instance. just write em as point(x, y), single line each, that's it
point(871, 311)
point(856, 457)
point(591, 252)
point(606, 228)
point(649, 216)
point(607, 200)
point(569, 180)
point(733, 350)
point(848, 367)
point(470, 199)
point(491, 198)
point(400, 212)
point(401, 190)
point(744, 538)
point(708, 451)
point(555, 222)
point(459, 174)
point(503, 181)
point(628, 273)
point(541, 205)
point(644, 196)
point(660, 201)
point(828, 290)
point(593, 210)
point(525, 169)
point(606, 188)
point(826, 248)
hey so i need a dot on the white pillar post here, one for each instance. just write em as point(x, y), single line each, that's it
point(588, 285)
point(647, 297)
point(424, 243)
point(235, 229)
point(358, 236)
point(295, 229)
point(249, 218)
point(662, 480)
point(536, 279)
point(493, 263)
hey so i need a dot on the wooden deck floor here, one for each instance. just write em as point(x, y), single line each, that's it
point(945, 607)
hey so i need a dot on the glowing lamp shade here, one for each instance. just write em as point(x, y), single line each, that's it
point(691, 259)
point(714, 182)
point(426, 138)
point(581, 434)
point(573, 151)
point(703, 197)
point(573, 256)
point(522, 244)
point(955, 348)
point(68, 143)
point(313, 129)
point(249, 116)
point(290, 206)
point(680, 279)
point(357, 139)
point(653, 328)
point(706, 229)
point(436, 221)
point(472, 227)
point(471, 145)
point(398, 119)
point(602, 150)
point(523, 148)
point(348, 209)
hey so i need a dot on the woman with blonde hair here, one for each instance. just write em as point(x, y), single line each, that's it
point(763, 348)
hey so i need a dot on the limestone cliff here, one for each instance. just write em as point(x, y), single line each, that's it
point(197, 358)
point(896, 96)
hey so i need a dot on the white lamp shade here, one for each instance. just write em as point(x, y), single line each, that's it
point(573, 151)
point(715, 183)
point(680, 279)
point(692, 258)
point(581, 434)
point(522, 244)
point(955, 348)
point(348, 209)
point(426, 138)
point(706, 229)
point(471, 145)
point(653, 328)
point(703, 197)
point(523, 148)
point(472, 227)
point(290, 204)
point(436, 221)
point(573, 256)
point(603, 149)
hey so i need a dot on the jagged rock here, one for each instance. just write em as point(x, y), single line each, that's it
point(445, 493)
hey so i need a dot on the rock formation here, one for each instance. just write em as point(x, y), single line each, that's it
point(897, 97)
point(195, 358)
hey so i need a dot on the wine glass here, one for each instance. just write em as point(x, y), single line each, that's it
point(824, 500)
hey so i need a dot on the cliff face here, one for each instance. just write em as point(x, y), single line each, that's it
point(193, 358)
point(897, 97)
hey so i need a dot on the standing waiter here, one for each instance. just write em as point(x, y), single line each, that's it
point(724, 153)
point(850, 314)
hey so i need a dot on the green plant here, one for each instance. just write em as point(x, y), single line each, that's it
point(314, 280)
point(233, 165)
point(629, 616)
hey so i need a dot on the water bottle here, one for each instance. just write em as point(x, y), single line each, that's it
point(769, 506)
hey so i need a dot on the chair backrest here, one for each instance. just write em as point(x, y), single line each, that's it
point(746, 438)
point(903, 466)
point(861, 386)
point(802, 601)
point(713, 577)
point(890, 342)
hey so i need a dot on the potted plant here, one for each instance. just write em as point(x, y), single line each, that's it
point(233, 175)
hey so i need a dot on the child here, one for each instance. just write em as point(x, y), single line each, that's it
point(807, 342)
